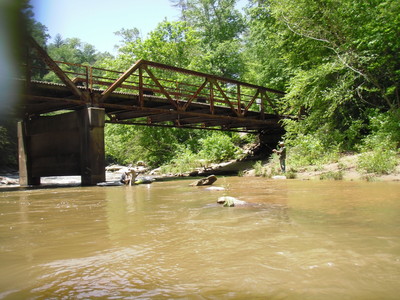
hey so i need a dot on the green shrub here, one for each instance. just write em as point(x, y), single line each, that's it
point(307, 150)
point(379, 149)
point(184, 161)
point(218, 147)
point(272, 168)
point(291, 174)
point(379, 161)
point(258, 168)
point(331, 175)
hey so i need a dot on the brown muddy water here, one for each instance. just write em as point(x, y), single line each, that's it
point(167, 240)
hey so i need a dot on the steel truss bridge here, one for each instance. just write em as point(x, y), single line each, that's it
point(152, 94)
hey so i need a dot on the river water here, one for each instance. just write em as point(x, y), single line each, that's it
point(169, 240)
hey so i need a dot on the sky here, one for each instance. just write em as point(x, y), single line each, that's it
point(95, 21)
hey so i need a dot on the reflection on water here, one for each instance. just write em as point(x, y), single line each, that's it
point(303, 240)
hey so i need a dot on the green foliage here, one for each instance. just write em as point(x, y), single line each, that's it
point(271, 168)
point(184, 161)
point(218, 26)
point(218, 147)
point(171, 43)
point(7, 147)
point(36, 29)
point(259, 169)
point(121, 144)
point(380, 148)
point(72, 50)
point(334, 72)
point(213, 148)
point(216, 20)
point(156, 146)
point(291, 174)
point(367, 50)
point(163, 144)
point(310, 148)
point(379, 161)
point(331, 175)
point(384, 131)
point(27, 25)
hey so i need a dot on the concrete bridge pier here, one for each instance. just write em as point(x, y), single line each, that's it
point(63, 145)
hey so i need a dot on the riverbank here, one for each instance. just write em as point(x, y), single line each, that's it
point(344, 169)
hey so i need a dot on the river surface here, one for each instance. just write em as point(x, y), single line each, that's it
point(169, 240)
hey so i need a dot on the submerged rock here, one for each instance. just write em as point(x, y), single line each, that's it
point(228, 201)
point(110, 183)
point(279, 177)
point(215, 188)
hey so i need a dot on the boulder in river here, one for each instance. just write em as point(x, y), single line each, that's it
point(144, 180)
point(205, 181)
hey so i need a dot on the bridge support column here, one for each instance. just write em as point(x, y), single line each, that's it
point(63, 145)
point(24, 158)
point(92, 146)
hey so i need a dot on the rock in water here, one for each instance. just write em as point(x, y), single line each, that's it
point(144, 180)
point(215, 188)
point(279, 177)
point(228, 201)
point(205, 181)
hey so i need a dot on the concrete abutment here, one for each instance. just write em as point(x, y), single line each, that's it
point(63, 145)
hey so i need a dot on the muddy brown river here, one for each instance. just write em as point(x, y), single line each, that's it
point(168, 240)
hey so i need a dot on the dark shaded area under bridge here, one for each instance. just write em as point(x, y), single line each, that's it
point(147, 93)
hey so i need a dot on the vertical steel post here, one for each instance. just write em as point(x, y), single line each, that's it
point(141, 100)
point(211, 97)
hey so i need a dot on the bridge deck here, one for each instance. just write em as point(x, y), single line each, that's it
point(122, 107)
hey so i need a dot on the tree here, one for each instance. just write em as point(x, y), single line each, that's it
point(128, 35)
point(333, 71)
point(264, 59)
point(369, 50)
point(171, 43)
point(34, 28)
point(38, 31)
point(219, 27)
point(73, 50)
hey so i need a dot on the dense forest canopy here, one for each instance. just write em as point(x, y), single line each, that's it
point(337, 60)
